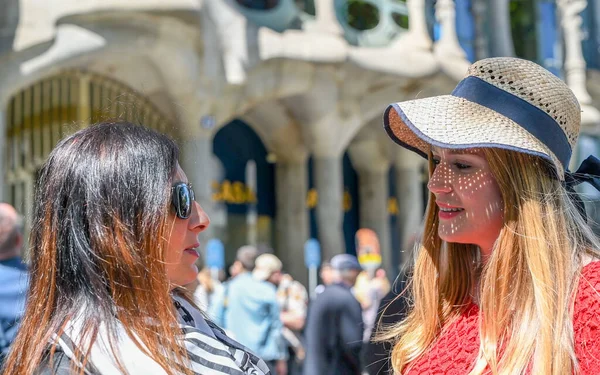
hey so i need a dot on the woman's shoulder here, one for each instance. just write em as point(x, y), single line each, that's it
point(56, 364)
point(590, 276)
point(588, 290)
point(586, 319)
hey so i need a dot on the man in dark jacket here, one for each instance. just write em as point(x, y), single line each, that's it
point(334, 328)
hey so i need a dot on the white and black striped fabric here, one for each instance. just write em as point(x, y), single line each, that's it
point(209, 349)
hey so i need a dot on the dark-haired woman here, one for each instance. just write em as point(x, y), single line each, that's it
point(114, 237)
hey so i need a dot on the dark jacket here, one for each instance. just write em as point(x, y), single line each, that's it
point(60, 364)
point(393, 308)
point(333, 332)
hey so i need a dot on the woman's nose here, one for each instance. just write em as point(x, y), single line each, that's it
point(440, 181)
point(200, 221)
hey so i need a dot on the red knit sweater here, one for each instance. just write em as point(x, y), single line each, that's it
point(455, 352)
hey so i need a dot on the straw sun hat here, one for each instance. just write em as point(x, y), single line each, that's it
point(502, 102)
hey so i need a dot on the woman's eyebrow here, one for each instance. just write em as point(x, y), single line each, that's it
point(457, 151)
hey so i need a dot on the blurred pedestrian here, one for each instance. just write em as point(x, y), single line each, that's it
point(249, 310)
point(326, 275)
point(114, 240)
point(205, 288)
point(293, 301)
point(334, 326)
point(13, 276)
point(370, 288)
point(245, 259)
point(269, 269)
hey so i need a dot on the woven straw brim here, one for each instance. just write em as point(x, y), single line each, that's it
point(447, 121)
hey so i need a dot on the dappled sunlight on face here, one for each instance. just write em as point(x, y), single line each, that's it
point(468, 197)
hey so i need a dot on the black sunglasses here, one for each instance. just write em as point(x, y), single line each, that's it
point(182, 198)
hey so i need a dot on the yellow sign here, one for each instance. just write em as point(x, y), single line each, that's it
point(368, 259)
point(233, 192)
point(393, 206)
point(347, 204)
point(312, 200)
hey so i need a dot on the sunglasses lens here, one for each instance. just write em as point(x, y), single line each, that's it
point(182, 199)
point(185, 201)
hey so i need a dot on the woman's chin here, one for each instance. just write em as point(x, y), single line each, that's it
point(191, 274)
point(184, 276)
point(458, 238)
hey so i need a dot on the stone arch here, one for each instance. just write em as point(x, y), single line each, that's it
point(39, 115)
point(128, 46)
point(246, 191)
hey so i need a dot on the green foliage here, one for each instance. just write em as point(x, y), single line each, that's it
point(523, 28)
point(401, 20)
point(362, 15)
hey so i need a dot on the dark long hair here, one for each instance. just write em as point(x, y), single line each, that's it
point(97, 241)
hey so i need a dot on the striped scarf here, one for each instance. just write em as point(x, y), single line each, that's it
point(209, 349)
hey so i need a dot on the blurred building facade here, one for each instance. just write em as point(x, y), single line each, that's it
point(276, 104)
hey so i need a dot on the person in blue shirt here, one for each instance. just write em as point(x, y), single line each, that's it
point(13, 276)
point(248, 310)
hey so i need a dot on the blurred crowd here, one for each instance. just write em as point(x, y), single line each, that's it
point(255, 301)
point(265, 309)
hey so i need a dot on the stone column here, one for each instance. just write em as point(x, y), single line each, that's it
point(445, 12)
point(447, 50)
point(3, 192)
point(196, 161)
point(373, 193)
point(291, 219)
point(501, 37)
point(328, 174)
point(325, 18)
point(410, 202)
point(575, 65)
point(480, 13)
point(418, 23)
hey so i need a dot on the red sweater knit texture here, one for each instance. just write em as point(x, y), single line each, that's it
point(455, 351)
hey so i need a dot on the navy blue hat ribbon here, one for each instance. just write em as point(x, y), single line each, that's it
point(533, 119)
point(588, 171)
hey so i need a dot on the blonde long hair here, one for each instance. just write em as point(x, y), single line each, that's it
point(526, 319)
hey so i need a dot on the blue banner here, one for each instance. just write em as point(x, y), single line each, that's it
point(215, 254)
point(312, 253)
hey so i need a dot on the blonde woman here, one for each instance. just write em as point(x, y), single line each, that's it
point(507, 278)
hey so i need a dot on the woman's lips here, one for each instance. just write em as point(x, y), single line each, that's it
point(446, 215)
point(447, 211)
point(191, 252)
